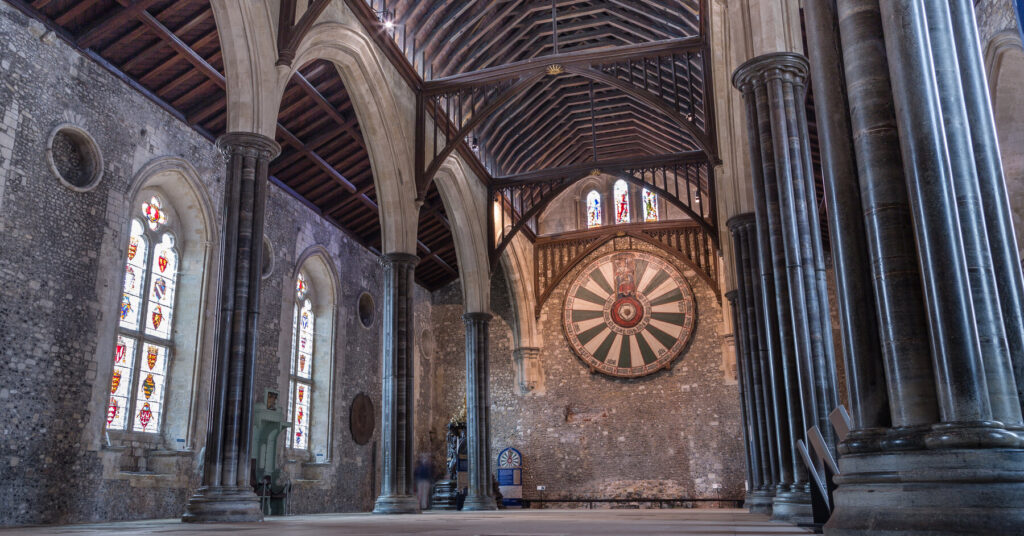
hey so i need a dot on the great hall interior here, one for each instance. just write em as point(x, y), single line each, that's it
point(511, 267)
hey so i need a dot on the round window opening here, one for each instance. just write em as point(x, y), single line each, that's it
point(74, 158)
point(366, 309)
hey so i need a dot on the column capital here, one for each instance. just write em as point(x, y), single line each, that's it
point(256, 145)
point(527, 352)
point(395, 259)
point(741, 220)
point(477, 318)
point(769, 67)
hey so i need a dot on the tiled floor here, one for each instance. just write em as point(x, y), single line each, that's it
point(504, 523)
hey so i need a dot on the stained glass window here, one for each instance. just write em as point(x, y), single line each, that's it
point(620, 193)
point(142, 350)
point(300, 386)
point(593, 209)
point(650, 205)
point(154, 212)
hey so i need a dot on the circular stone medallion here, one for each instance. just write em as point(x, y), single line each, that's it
point(629, 314)
point(361, 419)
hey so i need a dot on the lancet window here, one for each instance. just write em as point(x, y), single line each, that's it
point(650, 200)
point(593, 209)
point(300, 384)
point(142, 351)
point(620, 195)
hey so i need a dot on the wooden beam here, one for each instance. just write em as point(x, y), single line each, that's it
point(180, 47)
point(610, 166)
point(583, 58)
point(450, 144)
point(95, 32)
point(651, 100)
point(327, 168)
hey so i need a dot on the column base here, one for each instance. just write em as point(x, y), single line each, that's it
point(223, 505)
point(933, 492)
point(444, 496)
point(397, 504)
point(759, 501)
point(792, 507)
point(480, 503)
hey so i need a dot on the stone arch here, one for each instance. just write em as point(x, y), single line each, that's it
point(464, 198)
point(517, 265)
point(247, 33)
point(385, 125)
point(195, 227)
point(517, 262)
point(324, 283)
point(1004, 65)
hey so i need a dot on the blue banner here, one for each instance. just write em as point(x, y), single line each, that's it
point(510, 477)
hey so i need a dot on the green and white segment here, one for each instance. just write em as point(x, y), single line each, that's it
point(601, 320)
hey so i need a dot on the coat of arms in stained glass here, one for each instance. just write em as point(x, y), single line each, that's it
point(650, 205)
point(139, 376)
point(300, 386)
point(154, 212)
point(620, 193)
point(593, 209)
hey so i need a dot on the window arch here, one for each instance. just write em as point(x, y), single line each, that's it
point(650, 201)
point(620, 195)
point(309, 348)
point(300, 375)
point(593, 209)
point(146, 311)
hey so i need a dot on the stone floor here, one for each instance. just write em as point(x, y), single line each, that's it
point(505, 523)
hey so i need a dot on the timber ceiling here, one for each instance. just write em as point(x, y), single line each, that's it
point(633, 88)
point(461, 36)
point(170, 50)
point(569, 119)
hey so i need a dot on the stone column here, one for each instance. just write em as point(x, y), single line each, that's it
point(756, 386)
point(945, 466)
point(478, 409)
point(996, 212)
point(998, 370)
point(774, 86)
point(225, 494)
point(865, 377)
point(753, 471)
point(957, 359)
point(892, 254)
point(397, 396)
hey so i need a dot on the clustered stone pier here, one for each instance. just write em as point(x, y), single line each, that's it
point(928, 278)
point(225, 494)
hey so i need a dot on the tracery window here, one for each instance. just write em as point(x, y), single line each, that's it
point(650, 200)
point(593, 209)
point(620, 193)
point(300, 384)
point(142, 352)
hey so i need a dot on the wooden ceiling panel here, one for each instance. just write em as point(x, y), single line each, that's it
point(529, 130)
point(460, 36)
